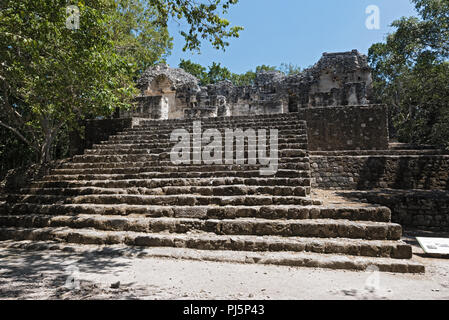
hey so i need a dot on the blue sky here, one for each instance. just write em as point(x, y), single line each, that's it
point(294, 31)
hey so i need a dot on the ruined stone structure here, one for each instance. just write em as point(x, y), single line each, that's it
point(333, 97)
point(127, 190)
point(338, 79)
point(121, 187)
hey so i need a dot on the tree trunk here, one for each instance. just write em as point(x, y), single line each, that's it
point(50, 135)
point(46, 148)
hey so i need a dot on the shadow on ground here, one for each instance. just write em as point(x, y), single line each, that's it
point(21, 274)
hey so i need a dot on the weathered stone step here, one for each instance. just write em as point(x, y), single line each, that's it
point(117, 158)
point(166, 139)
point(193, 150)
point(170, 145)
point(233, 124)
point(221, 128)
point(292, 259)
point(379, 214)
point(205, 235)
point(165, 158)
point(230, 122)
point(158, 175)
point(175, 182)
point(226, 124)
point(223, 190)
point(205, 122)
point(236, 120)
point(291, 228)
point(162, 200)
point(284, 133)
point(137, 165)
point(380, 153)
point(293, 144)
point(165, 155)
point(288, 154)
point(200, 168)
point(242, 117)
point(219, 121)
point(119, 151)
point(156, 141)
point(269, 128)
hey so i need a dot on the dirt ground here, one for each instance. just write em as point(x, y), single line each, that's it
point(331, 197)
point(87, 272)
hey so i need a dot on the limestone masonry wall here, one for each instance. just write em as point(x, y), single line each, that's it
point(347, 128)
point(427, 210)
point(363, 172)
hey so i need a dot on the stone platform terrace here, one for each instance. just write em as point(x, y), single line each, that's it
point(127, 191)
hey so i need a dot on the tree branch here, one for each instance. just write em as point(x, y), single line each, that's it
point(19, 135)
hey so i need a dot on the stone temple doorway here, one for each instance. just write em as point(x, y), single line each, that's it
point(162, 89)
point(293, 103)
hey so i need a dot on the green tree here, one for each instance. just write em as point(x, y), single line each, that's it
point(196, 70)
point(51, 76)
point(247, 78)
point(290, 69)
point(218, 73)
point(203, 19)
point(137, 35)
point(265, 68)
point(411, 74)
point(244, 79)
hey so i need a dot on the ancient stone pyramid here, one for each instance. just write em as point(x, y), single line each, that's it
point(127, 191)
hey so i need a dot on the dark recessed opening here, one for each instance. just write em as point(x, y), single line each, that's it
point(293, 103)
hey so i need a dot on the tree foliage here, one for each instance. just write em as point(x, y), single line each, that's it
point(216, 72)
point(196, 70)
point(290, 69)
point(203, 19)
point(411, 74)
point(137, 35)
point(51, 76)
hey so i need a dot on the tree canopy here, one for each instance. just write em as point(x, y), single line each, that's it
point(138, 36)
point(52, 76)
point(411, 74)
point(203, 19)
point(216, 72)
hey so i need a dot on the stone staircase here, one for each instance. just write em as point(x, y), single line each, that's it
point(126, 191)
